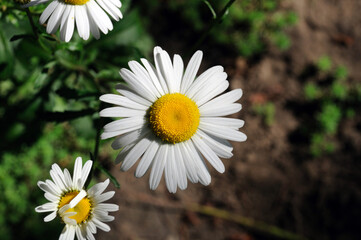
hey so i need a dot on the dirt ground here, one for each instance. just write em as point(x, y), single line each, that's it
point(271, 178)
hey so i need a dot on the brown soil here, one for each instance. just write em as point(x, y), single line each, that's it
point(271, 177)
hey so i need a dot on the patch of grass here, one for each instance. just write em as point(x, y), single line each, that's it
point(335, 99)
point(266, 111)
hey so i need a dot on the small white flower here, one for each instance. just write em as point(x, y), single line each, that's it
point(172, 120)
point(81, 210)
point(88, 15)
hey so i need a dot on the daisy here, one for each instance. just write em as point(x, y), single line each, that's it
point(88, 15)
point(173, 120)
point(82, 211)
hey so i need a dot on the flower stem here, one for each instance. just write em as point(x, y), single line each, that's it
point(106, 172)
point(94, 156)
point(35, 30)
point(250, 223)
point(217, 18)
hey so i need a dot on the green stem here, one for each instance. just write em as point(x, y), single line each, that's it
point(214, 22)
point(35, 31)
point(246, 222)
point(97, 164)
point(106, 172)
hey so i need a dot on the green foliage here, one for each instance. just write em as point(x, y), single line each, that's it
point(19, 173)
point(329, 118)
point(335, 98)
point(324, 63)
point(339, 90)
point(311, 91)
point(44, 80)
point(267, 111)
point(341, 73)
point(320, 145)
point(248, 25)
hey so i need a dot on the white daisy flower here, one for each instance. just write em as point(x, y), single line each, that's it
point(88, 15)
point(82, 211)
point(173, 120)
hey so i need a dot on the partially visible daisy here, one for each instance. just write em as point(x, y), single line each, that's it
point(90, 16)
point(173, 120)
point(82, 211)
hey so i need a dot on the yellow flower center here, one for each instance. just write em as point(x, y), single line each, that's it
point(75, 2)
point(174, 118)
point(82, 209)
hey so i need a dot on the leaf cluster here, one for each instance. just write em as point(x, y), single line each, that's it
point(335, 99)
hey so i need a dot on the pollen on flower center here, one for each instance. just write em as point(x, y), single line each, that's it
point(75, 2)
point(82, 209)
point(174, 118)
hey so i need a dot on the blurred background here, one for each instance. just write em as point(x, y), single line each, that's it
point(297, 176)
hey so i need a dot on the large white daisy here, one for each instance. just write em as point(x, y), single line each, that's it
point(82, 211)
point(173, 120)
point(88, 15)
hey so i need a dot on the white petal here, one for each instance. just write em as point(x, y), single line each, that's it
point(213, 89)
point(108, 207)
point(129, 93)
point(219, 146)
point(171, 173)
point(98, 188)
point(143, 76)
point(179, 162)
point(67, 178)
point(48, 11)
point(137, 85)
point(50, 197)
point(101, 225)
point(54, 187)
point(208, 153)
point(55, 19)
point(223, 132)
point(130, 137)
point(77, 171)
point(158, 166)
point(67, 30)
point(202, 171)
point(46, 188)
point(56, 178)
point(201, 82)
point(47, 207)
point(50, 217)
point(109, 10)
point(147, 159)
point(178, 71)
point(225, 99)
point(157, 51)
point(167, 71)
point(125, 123)
point(79, 234)
point(135, 154)
point(121, 112)
point(222, 121)
point(92, 25)
point(191, 71)
point(224, 110)
point(152, 74)
point(100, 18)
point(85, 172)
point(190, 166)
point(124, 152)
point(122, 101)
point(82, 21)
point(103, 197)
